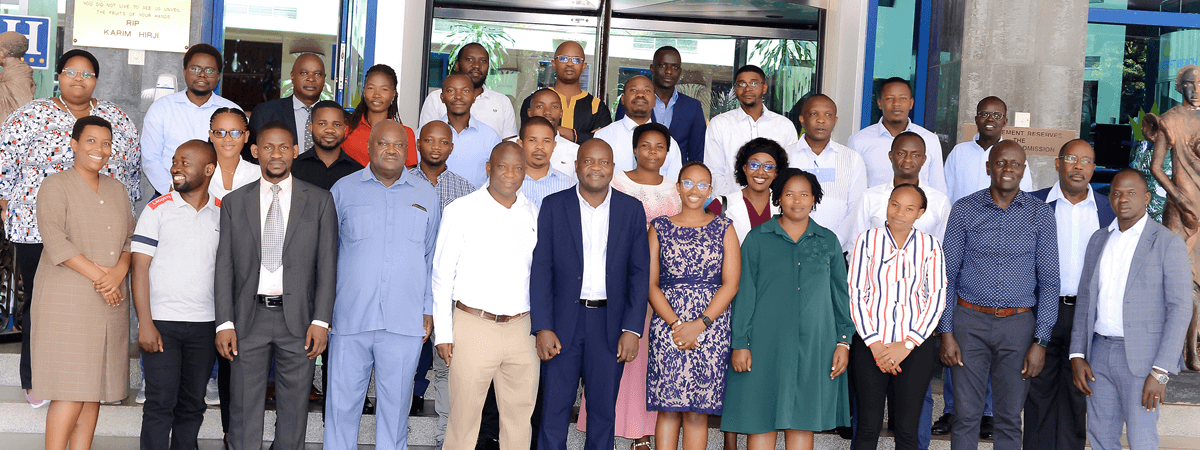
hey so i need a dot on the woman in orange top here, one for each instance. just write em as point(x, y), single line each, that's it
point(378, 102)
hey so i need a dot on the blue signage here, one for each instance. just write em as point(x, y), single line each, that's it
point(37, 30)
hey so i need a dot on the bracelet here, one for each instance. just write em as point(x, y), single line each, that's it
point(844, 344)
point(707, 322)
point(676, 322)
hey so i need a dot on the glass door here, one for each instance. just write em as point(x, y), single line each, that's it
point(351, 62)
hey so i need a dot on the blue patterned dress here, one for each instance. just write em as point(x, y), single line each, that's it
point(690, 261)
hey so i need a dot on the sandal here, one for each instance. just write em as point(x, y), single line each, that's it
point(640, 443)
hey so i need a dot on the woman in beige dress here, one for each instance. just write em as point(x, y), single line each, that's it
point(80, 339)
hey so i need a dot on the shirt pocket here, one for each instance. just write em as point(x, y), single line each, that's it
point(417, 221)
point(358, 222)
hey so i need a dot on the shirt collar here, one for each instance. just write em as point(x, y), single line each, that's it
point(670, 101)
point(405, 177)
point(584, 203)
point(284, 186)
point(182, 98)
point(830, 146)
point(312, 154)
point(296, 103)
point(179, 202)
point(884, 131)
point(550, 174)
point(1135, 230)
point(1056, 193)
point(471, 123)
point(629, 124)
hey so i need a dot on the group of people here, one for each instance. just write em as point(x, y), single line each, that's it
point(658, 259)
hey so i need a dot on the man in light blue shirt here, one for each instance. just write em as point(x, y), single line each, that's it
point(387, 226)
point(541, 179)
point(182, 116)
point(473, 141)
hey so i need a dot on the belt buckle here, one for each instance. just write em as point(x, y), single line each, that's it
point(1001, 313)
point(1064, 301)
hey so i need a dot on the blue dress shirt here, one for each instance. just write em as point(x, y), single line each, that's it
point(663, 112)
point(386, 239)
point(554, 181)
point(472, 148)
point(1003, 258)
point(171, 121)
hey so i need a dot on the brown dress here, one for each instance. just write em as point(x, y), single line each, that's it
point(80, 344)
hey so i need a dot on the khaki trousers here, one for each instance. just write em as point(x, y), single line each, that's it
point(485, 351)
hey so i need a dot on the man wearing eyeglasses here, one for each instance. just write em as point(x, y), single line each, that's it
point(583, 113)
point(965, 167)
point(730, 130)
point(1055, 408)
point(182, 116)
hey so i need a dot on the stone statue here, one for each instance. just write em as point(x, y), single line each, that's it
point(16, 80)
point(1178, 131)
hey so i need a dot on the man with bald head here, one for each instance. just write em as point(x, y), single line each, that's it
point(589, 286)
point(841, 171)
point(308, 81)
point(481, 280)
point(638, 101)
point(473, 140)
point(492, 108)
point(1002, 300)
point(682, 115)
point(583, 113)
point(1054, 408)
point(16, 80)
point(966, 166)
point(384, 306)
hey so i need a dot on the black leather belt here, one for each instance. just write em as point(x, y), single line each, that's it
point(593, 303)
point(270, 301)
point(1068, 300)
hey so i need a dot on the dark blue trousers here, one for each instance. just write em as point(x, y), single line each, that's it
point(587, 356)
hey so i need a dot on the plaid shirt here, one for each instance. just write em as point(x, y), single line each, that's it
point(450, 186)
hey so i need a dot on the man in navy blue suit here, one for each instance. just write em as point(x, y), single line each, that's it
point(682, 115)
point(587, 290)
point(1055, 408)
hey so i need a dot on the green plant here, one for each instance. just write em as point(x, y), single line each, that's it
point(494, 39)
point(778, 57)
point(1136, 122)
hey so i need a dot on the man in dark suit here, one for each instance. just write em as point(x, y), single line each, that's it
point(588, 288)
point(275, 286)
point(1135, 301)
point(295, 111)
point(1054, 409)
point(681, 114)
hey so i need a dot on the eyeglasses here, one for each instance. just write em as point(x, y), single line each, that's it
point(570, 59)
point(203, 70)
point(231, 133)
point(743, 84)
point(688, 184)
point(1072, 159)
point(755, 165)
point(995, 115)
point(71, 73)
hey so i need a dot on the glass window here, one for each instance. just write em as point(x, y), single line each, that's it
point(1187, 6)
point(895, 50)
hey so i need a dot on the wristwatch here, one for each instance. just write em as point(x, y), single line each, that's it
point(1161, 377)
point(706, 320)
point(909, 345)
point(1041, 342)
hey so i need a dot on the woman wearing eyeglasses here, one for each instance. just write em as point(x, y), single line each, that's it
point(229, 133)
point(34, 144)
point(756, 163)
point(695, 265)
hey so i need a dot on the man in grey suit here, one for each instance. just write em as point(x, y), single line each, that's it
point(275, 286)
point(1130, 320)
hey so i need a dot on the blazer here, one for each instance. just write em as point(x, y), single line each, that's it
point(309, 257)
point(1104, 211)
point(556, 277)
point(688, 126)
point(278, 109)
point(1158, 300)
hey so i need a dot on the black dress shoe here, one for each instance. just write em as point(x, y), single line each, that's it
point(418, 406)
point(986, 426)
point(942, 426)
point(487, 444)
point(368, 407)
point(845, 432)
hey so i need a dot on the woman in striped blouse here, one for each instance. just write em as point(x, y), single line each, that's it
point(897, 292)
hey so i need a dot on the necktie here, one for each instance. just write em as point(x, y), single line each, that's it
point(272, 236)
point(308, 142)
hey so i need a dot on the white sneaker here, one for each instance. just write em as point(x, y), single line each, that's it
point(141, 396)
point(33, 401)
point(212, 396)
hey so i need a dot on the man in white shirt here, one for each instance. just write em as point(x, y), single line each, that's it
point(895, 99)
point(840, 171)
point(481, 303)
point(492, 108)
point(966, 167)
point(729, 131)
point(1055, 411)
point(182, 116)
point(639, 102)
point(907, 156)
point(1135, 301)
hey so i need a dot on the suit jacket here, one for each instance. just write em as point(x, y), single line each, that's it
point(557, 271)
point(688, 126)
point(1104, 211)
point(309, 257)
point(1158, 300)
point(278, 109)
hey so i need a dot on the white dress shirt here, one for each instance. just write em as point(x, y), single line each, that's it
point(729, 131)
point(245, 173)
point(492, 108)
point(619, 136)
point(484, 252)
point(1076, 223)
point(594, 224)
point(301, 122)
point(841, 173)
point(1114, 275)
point(966, 171)
point(872, 213)
point(875, 141)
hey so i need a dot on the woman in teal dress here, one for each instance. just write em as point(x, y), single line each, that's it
point(791, 323)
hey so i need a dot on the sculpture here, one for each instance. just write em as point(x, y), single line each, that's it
point(16, 80)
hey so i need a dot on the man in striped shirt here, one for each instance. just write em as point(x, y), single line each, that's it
point(541, 179)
